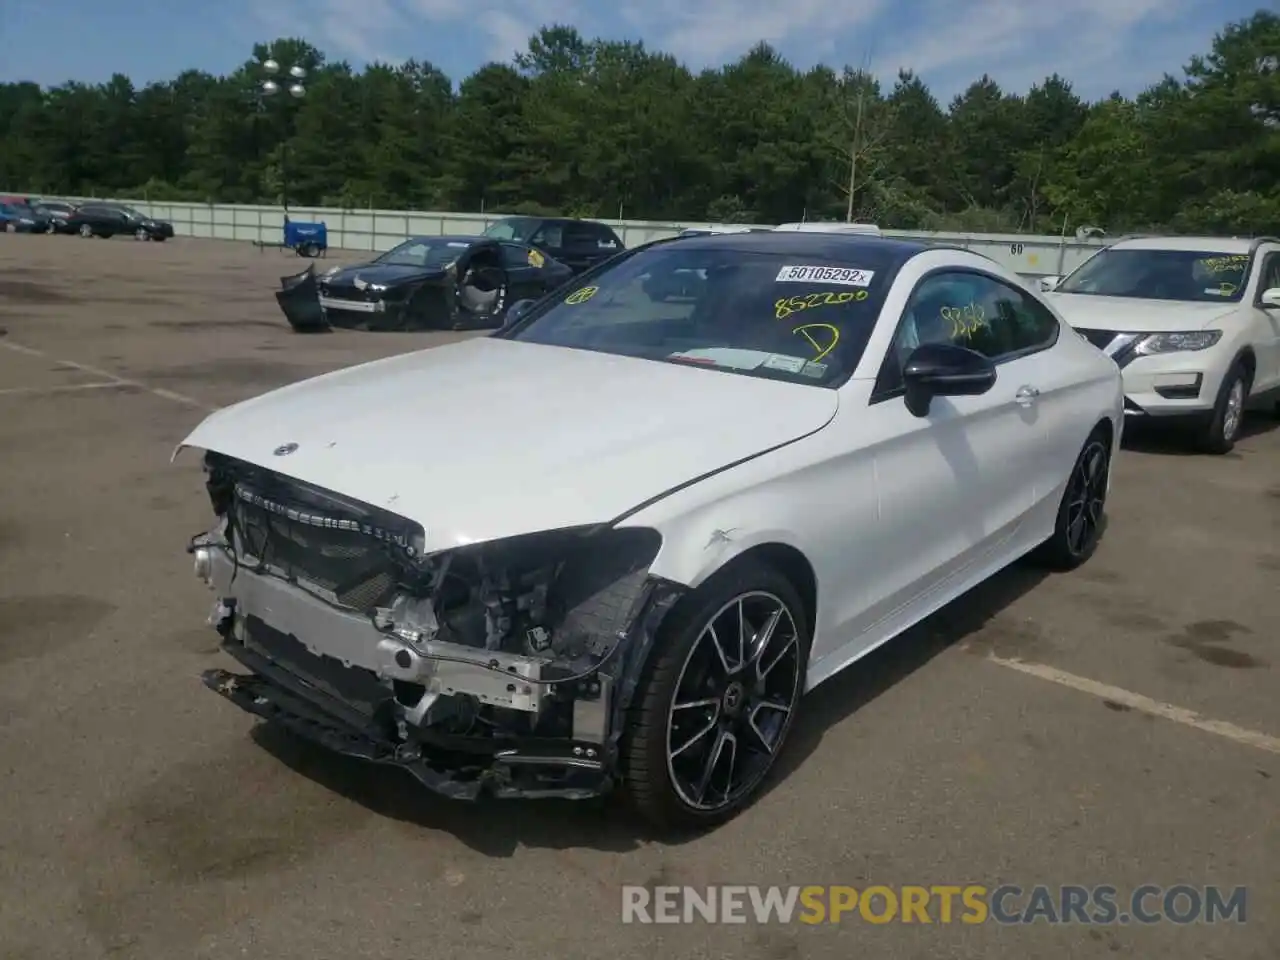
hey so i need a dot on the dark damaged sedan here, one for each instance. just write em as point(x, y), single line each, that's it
point(425, 283)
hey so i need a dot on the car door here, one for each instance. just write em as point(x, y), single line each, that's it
point(955, 485)
point(106, 221)
point(1266, 321)
point(549, 237)
point(86, 216)
point(525, 271)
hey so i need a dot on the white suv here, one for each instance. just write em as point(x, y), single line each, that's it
point(1193, 323)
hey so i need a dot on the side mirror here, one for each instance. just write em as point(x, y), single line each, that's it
point(944, 370)
point(1270, 299)
point(516, 311)
point(1049, 283)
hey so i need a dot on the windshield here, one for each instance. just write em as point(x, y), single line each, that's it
point(512, 228)
point(782, 316)
point(427, 253)
point(1204, 276)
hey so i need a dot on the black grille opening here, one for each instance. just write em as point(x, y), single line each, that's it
point(351, 293)
point(358, 553)
point(358, 569)
point(1099, 338)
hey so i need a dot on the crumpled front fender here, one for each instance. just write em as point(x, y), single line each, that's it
point(299, 299)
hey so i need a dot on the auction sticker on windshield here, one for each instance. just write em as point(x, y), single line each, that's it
point(845, 276)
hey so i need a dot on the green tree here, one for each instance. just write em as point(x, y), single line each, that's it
point(606, 128)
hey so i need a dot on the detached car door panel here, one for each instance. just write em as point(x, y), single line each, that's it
point(526, 271)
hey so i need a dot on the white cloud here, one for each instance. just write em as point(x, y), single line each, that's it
point(1093, 43)
point(507, 25)
point(359, 28)
point(708, 32)
point(356, 29)
point(1099, 45)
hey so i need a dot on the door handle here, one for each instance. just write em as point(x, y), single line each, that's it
point(1026, 396)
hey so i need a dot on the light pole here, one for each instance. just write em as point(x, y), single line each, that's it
point(268, 89)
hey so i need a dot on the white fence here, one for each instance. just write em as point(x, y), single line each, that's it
point(1031, 256)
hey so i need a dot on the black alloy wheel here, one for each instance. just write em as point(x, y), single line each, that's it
point(1081, 515)
point(716, 708)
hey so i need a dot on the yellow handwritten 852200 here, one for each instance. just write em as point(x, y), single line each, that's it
point(965, 321)
point(581, 295)
point(789, 305)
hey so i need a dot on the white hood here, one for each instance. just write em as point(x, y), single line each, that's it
point(1134, 315)
point(493, 438)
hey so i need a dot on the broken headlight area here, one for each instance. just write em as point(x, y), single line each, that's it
point(502, 665)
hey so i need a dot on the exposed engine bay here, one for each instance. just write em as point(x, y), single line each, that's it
point(500, 666)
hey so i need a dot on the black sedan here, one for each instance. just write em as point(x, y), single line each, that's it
point(110, 219)
point(58, 213)
point(425, 283)
point(16, 216)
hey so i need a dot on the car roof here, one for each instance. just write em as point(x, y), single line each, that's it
point(1227, 245)
point(843, 247)
point(468, 238)
point(527, 216)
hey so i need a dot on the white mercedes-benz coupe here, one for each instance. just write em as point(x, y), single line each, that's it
point(615, 542)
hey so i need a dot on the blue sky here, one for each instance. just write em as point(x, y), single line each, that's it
point(1100, 45)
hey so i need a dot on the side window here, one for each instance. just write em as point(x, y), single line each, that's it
point(579, 236)
point(1270, 273)
point(969, 310)
point(603, 237)
point(550, 235)
point(590, 238)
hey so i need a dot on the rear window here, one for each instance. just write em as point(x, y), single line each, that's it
point(512, 228)
point(754, 313)
point(591, 237)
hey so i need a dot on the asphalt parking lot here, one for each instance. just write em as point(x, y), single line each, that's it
point(1118, 725)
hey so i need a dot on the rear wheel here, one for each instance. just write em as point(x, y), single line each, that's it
point(718, 699)
point(141, 234)
point(1082, 510)
point(86, 231)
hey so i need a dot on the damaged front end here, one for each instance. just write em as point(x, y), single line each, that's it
point(299, 300)
point(503, 667)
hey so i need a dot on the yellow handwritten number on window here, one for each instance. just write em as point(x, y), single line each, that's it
point(581, 295)
point(788, 305)
point(965, 321)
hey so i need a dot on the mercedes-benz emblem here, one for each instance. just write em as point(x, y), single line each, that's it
point(285, 449)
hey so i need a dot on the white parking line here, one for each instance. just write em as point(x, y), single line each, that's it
point(108, 375)
point(65, 388)
point(1136, 701)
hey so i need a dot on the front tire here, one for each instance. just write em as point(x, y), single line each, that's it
point(1082, 510)
point(1219, 435)
point(718, 698)
point(86, 231)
